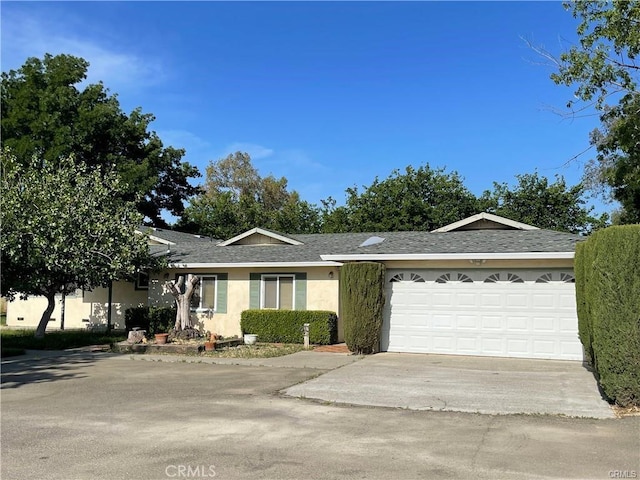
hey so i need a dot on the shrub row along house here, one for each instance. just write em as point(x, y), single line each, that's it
point(485, 285)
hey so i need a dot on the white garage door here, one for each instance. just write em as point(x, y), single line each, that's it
point(515, 313)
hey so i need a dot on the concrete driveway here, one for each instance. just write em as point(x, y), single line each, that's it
point(462, 384)
point(100, 416)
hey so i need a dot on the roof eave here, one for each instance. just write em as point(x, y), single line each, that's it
point(328, 263)
point(379, 257)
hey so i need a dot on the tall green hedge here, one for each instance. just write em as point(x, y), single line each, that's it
point(608, 296)
point(362, 303)
point(286, 325)
point(580, 265)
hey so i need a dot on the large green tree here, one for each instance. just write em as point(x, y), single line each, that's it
point(536, 201)
point(237, 198)
point(603, 69)
point(418, 199)
point(48, 112)
point(64, 226)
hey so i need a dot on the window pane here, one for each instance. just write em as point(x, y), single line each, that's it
point(286, 293)
point(270, 292)
point(208, 292)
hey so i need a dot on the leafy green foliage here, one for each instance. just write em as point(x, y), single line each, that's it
point(286, 325)
point(136, 317)
point(604, 70)
point(58, 340)
point(580, 265)
point(362, 301)
point(608, 285)
point(236, 198)
point(46, 114)
point(426, 199)
point(64, 227)
point(418, 199)
point(152, 319)
point(537, 202)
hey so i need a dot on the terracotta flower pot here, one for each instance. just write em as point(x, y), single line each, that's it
point(161, 338)
point(209, 346)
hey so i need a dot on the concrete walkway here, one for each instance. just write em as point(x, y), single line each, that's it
point(462, 384)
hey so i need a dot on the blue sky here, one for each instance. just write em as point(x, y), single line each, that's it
point(329, 94)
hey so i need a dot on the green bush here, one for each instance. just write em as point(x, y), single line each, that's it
point(161, 319)
point(57, 340)
point(612, 305)
point(285, 326)
point(152, 319)
point(362, 302)
point(581, 268)
point(136, 317)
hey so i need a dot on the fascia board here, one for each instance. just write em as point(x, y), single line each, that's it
point(257, 265)
point(449, 256)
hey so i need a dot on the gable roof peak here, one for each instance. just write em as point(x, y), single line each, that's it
point(485, 221)
point(260, 236)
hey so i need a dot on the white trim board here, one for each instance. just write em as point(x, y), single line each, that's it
point(449, 256)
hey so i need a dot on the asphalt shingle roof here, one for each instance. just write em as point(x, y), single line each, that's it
point(192, 249)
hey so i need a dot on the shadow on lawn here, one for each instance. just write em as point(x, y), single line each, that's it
point(41, 367)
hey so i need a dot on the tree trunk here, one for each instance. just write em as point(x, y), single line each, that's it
point(63, 302)
point(183, 300)
point(46, 316)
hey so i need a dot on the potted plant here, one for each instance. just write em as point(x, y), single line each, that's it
point(250, 339)
point(161, 335)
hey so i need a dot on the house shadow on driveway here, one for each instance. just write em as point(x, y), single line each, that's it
point(488, 385)
point(41, 366)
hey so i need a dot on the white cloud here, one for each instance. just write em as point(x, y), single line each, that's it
point(27, 35)
point(257, 152)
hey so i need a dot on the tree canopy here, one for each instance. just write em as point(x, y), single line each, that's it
point(237, 198)
point(418, 199)
point(426, 199)
point(603, 69)
point(47, 112)
point(535, 201)
point(64, 226)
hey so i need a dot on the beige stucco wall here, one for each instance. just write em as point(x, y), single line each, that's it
point(322, 293)
point(82, 309)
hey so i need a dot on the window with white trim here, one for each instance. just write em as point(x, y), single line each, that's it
point(278, 292)
point(204, 298)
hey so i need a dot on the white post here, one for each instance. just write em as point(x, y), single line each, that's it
point(305, 329)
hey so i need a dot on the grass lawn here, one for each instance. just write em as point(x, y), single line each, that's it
point(57, 340)
point(259, 350)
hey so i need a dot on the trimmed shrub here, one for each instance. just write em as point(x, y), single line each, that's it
point(581, 268)
point(136, 317)
point(161, 319)
point(362, 302)
point(152, 319)
point(612, 304)
point(285, 326)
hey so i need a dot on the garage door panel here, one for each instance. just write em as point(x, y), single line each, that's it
point(545, 325)
point(518, 300)
point(517, 324)
point(466, 322)
point(544, 300)
point(491, 322)
point(527, 319)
